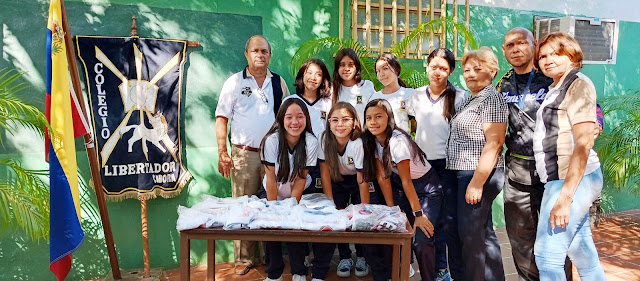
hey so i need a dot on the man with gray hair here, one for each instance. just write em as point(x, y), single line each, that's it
point(249, 99)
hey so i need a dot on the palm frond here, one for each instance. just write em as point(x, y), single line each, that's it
point(13, 111)
point(327, 45)
point(24, 200)
point(619, 148)
point(414, 79)
point(435, 25)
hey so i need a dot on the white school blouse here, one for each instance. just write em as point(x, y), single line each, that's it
point(270, 157)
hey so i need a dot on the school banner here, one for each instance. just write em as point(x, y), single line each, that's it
point(134, 87)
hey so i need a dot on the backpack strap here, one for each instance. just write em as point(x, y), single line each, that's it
point(276, 84)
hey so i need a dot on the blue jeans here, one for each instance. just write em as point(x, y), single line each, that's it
point(554, 245)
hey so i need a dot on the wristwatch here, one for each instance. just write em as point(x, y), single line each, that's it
point(417, 213)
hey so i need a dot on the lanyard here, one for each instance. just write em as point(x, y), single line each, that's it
point(522, 98)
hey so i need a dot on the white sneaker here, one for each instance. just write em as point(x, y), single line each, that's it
point(411, 271)
point(362, 269)
point(297, 277)
point(269, 279)
point(316, 279)
point(344, 268)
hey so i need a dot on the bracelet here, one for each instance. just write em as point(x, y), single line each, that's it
point(566, 194)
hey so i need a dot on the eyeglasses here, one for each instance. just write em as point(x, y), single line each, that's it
point(344, 120)
point(262, 95)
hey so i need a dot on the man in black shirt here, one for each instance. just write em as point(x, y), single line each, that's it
point(524, 89)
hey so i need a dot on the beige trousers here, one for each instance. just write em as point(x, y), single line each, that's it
point(246, 179)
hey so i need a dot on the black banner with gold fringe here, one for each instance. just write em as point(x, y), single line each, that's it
point(135, 89)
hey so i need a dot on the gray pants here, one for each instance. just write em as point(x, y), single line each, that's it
point(522, 197)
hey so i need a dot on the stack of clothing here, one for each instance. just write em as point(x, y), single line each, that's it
point(314, 212)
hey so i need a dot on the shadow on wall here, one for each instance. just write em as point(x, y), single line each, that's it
point(223, 37)
point(208, 67)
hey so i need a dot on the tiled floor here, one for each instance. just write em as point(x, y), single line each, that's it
point(617, 239)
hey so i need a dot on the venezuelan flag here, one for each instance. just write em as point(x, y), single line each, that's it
point(62, 111)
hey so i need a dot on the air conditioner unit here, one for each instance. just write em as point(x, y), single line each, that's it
point(598, 38)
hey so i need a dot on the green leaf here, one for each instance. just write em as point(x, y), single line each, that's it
point(619, 148)
point(24, 196)
point(13, 111)
point(24, 200)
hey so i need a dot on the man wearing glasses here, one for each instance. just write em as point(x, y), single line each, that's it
point(249, 99)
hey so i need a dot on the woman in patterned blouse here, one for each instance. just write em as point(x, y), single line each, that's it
point(474, 155)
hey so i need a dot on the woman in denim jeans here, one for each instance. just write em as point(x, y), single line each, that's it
point(562, 145)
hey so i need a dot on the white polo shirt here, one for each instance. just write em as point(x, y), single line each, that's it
point(248, 107)
point(358, 95)
point(432, 131)
point(318, 111)
point(349, 160)
point(270, 157)
point(400, 151)
point(400, 101)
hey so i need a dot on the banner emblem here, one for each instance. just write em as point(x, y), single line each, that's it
point(134, 87)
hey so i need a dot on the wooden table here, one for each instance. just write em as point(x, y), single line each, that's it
point(401, 244)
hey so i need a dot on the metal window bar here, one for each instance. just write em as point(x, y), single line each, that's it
point(365, 26)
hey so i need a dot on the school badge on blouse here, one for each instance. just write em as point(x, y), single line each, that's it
point(318, 183)
point(350, 160)
point(323, 115)
point(246, 91)
point(358, 99)
point(371, 187)
point(403, 105)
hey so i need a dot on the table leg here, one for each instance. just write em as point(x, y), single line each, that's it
point(395, 263)
point(185, 248)
point(211, 260)
point(406, 260)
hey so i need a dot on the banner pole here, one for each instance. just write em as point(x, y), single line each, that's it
point(145, 238)
point(91, 150)
point(143, 201)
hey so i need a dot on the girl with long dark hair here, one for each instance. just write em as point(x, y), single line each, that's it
point(432, 108)
point(405, 177)
point(286, 151)
point(387, 70)
point(341, 155)
point(313, 88)
point(348, 85)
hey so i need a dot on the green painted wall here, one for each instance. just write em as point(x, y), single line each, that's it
point(222, 26)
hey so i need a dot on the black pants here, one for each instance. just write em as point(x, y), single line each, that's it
point(344, 192)
point(378, 256)
point(522, 197)
point(446, 229)
point(480, 247)
point(274, 260)
point(273, 254)
point(429, 192)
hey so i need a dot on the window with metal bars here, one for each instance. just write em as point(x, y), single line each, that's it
point(379, 24)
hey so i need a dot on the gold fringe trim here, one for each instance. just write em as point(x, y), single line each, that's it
point(184, 180)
